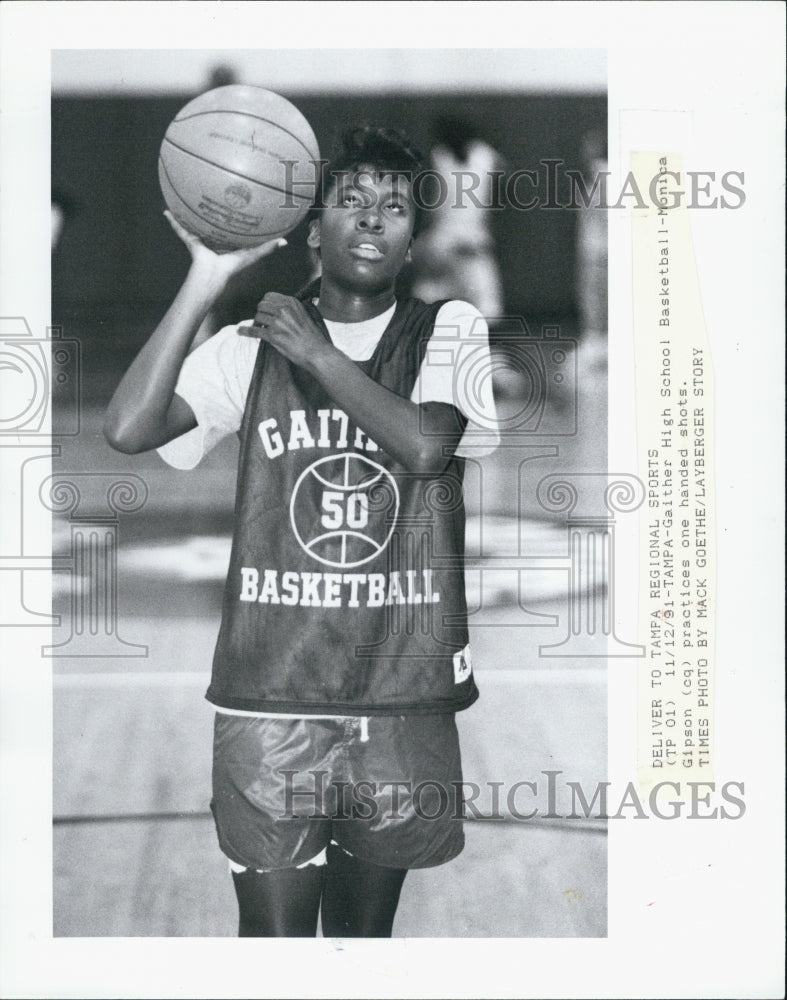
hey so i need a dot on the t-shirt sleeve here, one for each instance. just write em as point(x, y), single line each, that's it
point(457, 368)
point(214, 380)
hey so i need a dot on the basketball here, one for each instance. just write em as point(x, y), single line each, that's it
point(239, 166)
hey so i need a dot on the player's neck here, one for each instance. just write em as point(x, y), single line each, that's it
point(345, 306)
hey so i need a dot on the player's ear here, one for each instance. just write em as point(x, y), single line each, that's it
point(313, 239)
point(409, 255)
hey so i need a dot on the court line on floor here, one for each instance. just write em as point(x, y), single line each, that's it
point(163, 678)
point(586, 824)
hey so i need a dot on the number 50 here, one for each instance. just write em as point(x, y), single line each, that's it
point(344, 509)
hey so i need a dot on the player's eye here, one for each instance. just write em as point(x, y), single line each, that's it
point(351, 198)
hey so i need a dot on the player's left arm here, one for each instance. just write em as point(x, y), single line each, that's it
point(422, 438)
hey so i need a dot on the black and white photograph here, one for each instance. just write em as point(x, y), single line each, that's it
point(375, 521)
point(498, 409)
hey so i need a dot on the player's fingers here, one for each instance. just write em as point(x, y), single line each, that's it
point(265, 317)
point(287, 311)
point(269, 306)
point(265, 249)
point(273, 312)
point(188, 238)
point(254, 331)
point(253, 254)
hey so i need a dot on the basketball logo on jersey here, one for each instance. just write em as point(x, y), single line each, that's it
point(462, 665)
point(343, 509)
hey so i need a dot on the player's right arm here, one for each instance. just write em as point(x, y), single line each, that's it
point(145, 412)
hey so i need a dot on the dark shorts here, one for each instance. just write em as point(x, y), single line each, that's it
point(283, 789)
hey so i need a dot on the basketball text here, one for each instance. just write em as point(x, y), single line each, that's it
point(337, 590)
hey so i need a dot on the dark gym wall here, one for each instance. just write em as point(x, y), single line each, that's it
point(118, 265)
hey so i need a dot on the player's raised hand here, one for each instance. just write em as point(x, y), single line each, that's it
point(225, 264)
point(284, 322)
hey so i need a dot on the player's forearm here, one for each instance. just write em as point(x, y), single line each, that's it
point(137, 416)
point(419, 441)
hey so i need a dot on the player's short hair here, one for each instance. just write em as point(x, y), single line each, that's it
point(387, 151)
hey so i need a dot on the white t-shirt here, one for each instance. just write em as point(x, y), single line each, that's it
point(457, 368)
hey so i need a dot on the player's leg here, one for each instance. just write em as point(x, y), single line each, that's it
point(359, 899)
point(407, 773)
point(267, 808)
point(281, 903)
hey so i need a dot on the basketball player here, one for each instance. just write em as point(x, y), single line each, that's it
point(343, 649)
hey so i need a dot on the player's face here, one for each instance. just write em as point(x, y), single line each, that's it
point(365, 231)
